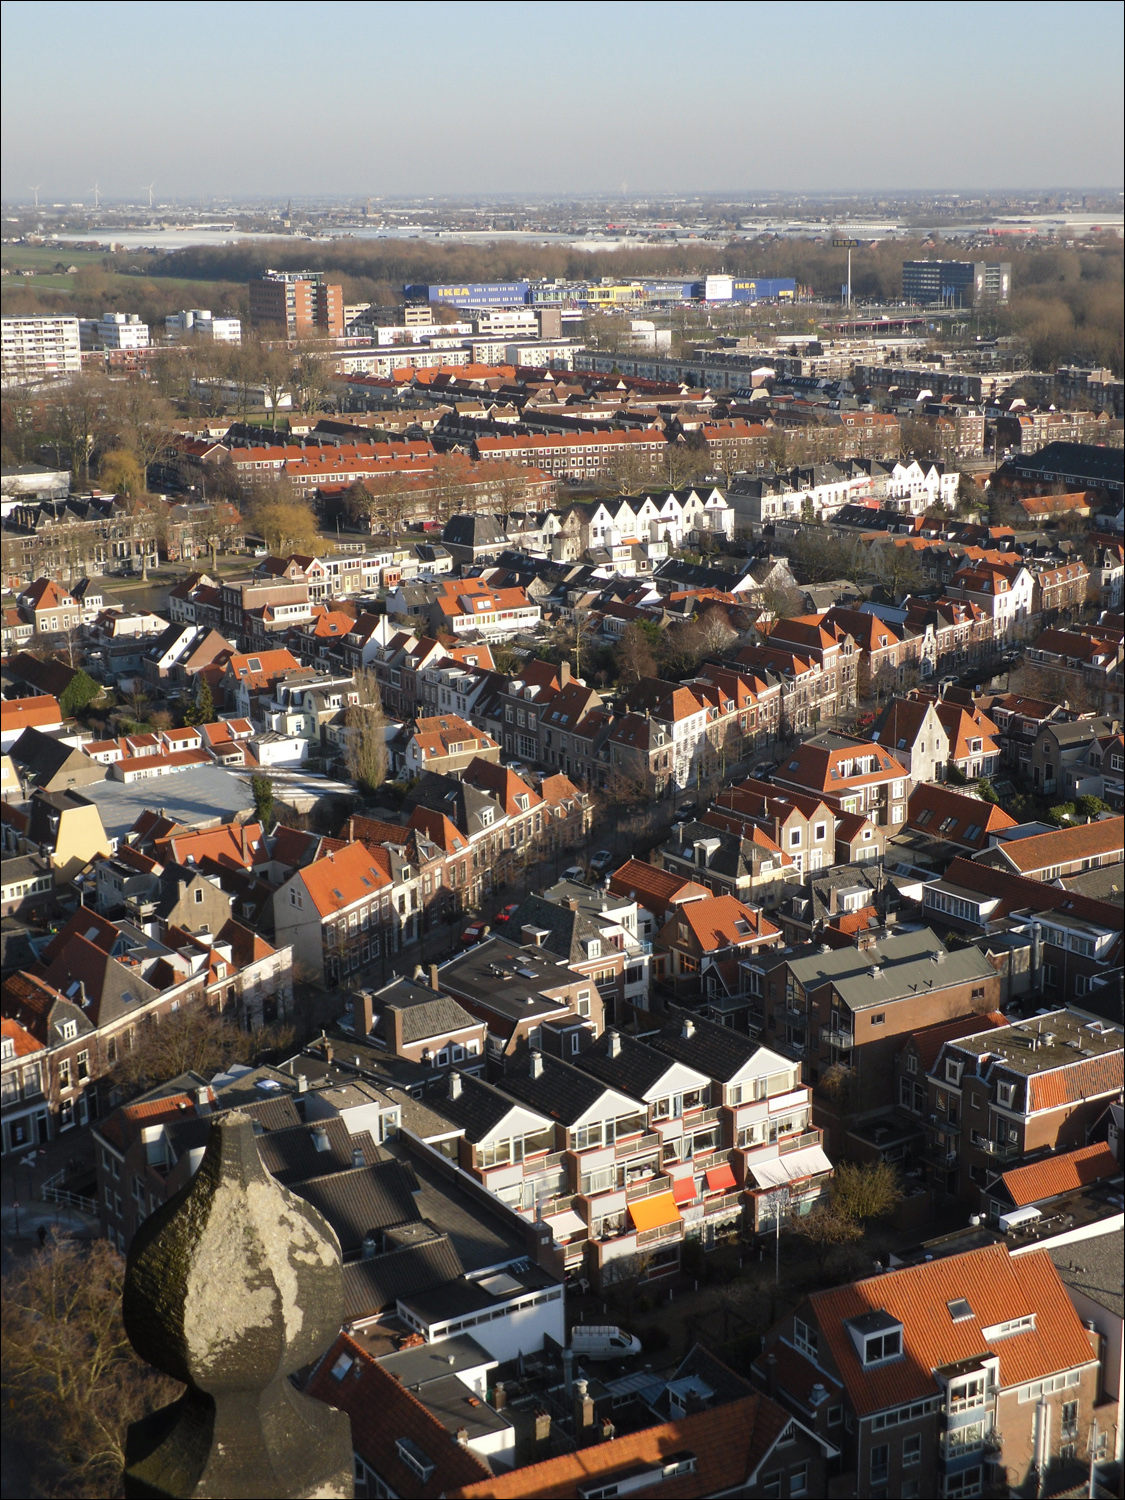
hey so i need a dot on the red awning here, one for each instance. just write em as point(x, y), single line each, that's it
point(683, 1189)
point(720, 1179)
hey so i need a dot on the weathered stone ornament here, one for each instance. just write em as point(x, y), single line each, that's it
point(231, 1286)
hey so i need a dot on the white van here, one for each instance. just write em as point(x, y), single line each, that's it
point(603, 1341)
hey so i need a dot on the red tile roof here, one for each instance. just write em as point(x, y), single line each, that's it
point(42, 712)
point(382, 1412)
point(344, 877)
point(1086, 1078)
point(942, 813)
point(997, 1286)
point(1042, 851)
point(929, 1041)
point(728, 1443)
point(23, 1043)
point(1061, 1174)
point(723, 921)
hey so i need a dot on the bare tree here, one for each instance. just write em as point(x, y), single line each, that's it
point(365, 745)
point(72, 1382)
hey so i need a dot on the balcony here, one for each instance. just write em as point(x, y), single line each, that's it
point(658, 1236)
point(1001, 1151)
point(636, 1143)
point(646, 1186)
point(799, 1142)
point(835, 1037)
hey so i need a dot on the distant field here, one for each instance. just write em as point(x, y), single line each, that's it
point(27, 257)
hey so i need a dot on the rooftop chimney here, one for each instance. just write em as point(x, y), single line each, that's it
point(320, 1138)
point(363, 1012)
point(302, 1083)
point(455, 1085)
point(203, 1101)
point(614, 1043)
point(434, 985)
point(537, 1065)
point(832, 902)
point(564, 673)
point(688, 1029)
point(357, 1156)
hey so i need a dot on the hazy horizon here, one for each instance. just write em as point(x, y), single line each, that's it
point(500, 100)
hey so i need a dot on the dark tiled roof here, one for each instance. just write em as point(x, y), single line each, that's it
point(293, 1155)
point(714, 1049)
point(562, 1092)
point(358, 1201)
point(401, 1270)
point(635, 1069)
point(478, 1108)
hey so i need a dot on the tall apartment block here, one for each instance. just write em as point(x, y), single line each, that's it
point(39, 349)
point(300, 302)
point(957, 283)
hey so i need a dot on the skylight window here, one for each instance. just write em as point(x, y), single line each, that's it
point(959, 1309)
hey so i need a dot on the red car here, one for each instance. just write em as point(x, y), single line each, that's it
point(472, 934)
point(506, 915)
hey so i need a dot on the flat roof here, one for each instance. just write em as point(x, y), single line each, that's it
point(197, 797)
point(507, 979)
point(1041, 1042)
point(1093, 1267)
point(429, 1361)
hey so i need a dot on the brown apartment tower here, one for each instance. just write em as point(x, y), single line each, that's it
point(300, 302)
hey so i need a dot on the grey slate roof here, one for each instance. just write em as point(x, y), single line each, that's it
point(293, 1156)
point(424, 1013)
point(461, 803)
point(478, 1109)
point(361, 1200)
point(422, 1258)
point(561, 1092)
point(635, 1070)
point(909, 963)
point(714, 1049)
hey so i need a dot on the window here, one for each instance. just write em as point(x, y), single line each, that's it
point(197, 896)
point(880, 1463)
point(414, 1458)
point(799, 1479)
point(805, 1338)
point(882, 1346)
point(879, 1018)
point(835, 1416)
point(771, 1485)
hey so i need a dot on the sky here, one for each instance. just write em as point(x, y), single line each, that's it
point(412, 99)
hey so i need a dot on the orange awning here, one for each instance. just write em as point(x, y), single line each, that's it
point(721, 1178)
point(683, 1189)
point(654, 1212)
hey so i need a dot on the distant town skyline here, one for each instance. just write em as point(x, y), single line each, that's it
point(217, 100)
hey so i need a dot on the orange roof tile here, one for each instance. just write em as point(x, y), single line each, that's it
point(723, 921)
point(23, 1043)
point(728, 1443)
point(997, 1286)
point(343, 877)
point(1061, 1174)
point(1084, 1079)
point(1084, 841)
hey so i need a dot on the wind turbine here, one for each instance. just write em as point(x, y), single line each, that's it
point(97, 204)
point(35, 190)
point(150, 188)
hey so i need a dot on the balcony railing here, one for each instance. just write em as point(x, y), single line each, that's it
point(799, 1142)
point(636, 1143)
point(1001, 1150)
point(646, 1186)
point(835, 1037)
point(664, 1232)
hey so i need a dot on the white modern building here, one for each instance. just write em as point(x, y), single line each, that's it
point(113, 331)
point(39, 349)
point(201, 322)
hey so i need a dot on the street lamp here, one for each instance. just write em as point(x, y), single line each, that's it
point(778, 1200)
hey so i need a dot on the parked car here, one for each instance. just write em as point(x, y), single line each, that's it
point(574, 872)
point(763, 770)
point(687, 810)
point(506, 914)
point(600, 862)
point(473, 933)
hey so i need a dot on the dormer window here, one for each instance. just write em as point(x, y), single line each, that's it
point(877, 1337)
point(1005, 1094)
point(953, 1070)
point(882, 1347)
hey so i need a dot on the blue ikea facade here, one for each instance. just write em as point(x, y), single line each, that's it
point(762, 288)
point(474, 293)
